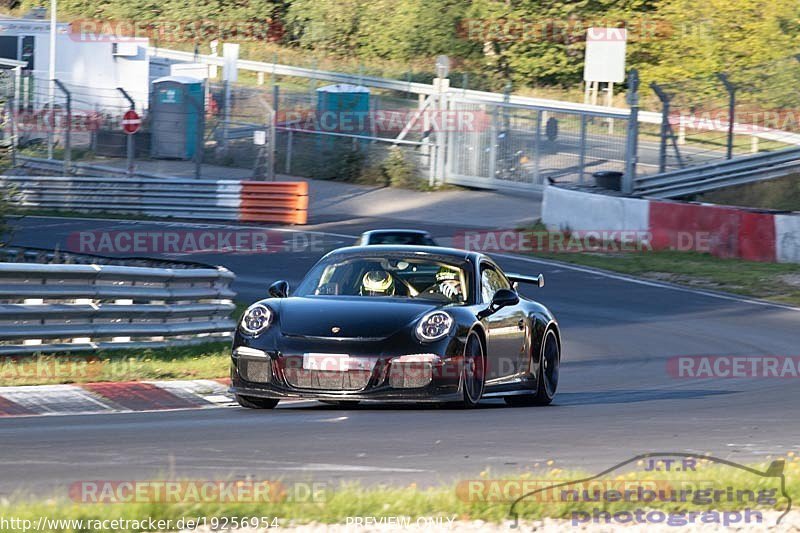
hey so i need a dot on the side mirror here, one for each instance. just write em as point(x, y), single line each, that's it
point(502, 298)
point(540, 280)
point(279, 289)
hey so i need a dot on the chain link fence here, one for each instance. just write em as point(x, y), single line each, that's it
point(724, 115)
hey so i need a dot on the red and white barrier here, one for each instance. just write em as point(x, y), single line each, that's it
point(723, 231)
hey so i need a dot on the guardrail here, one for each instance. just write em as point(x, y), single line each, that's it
point(46, 308)
point(277, 69)
point(225, 200)
point(712, 176)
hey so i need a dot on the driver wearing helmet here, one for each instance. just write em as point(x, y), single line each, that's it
point(377, 283)
point(448, 283)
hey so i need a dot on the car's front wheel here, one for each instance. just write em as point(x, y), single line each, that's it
point(252, 402)
point(547, 378)
point(473, 372)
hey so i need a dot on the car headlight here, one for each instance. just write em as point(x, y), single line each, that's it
point(434, 326)
point(256, 319)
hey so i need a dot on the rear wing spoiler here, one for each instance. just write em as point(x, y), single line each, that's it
point(519, 278)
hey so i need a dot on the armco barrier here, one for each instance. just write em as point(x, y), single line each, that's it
point(59, 307)
point(724, 231)
point(225, 200)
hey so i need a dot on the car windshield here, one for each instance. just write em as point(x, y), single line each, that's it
point(394, 277)
point(401, 237)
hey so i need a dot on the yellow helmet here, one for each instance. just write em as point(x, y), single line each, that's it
point(377, 283)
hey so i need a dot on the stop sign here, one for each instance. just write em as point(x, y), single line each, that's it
point(131, 122)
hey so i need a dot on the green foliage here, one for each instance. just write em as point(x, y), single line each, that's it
point(395, 170)
point(398, 170)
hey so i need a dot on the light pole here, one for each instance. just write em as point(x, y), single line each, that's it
point(52, 86)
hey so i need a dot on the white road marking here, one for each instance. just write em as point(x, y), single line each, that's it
point(586, 270)
point(639, 281)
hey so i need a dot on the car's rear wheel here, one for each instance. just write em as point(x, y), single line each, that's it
point(252, 402)
point(547, 379)
point(473, 372)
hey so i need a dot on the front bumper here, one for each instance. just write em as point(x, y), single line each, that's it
point(415, 377)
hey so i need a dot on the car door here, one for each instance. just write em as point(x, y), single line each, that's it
point(505, 329)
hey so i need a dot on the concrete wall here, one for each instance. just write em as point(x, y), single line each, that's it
point(723, 231)
point(566, 209)
point(787, 238)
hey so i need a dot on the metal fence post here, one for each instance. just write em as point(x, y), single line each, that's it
point(632, 142)
point(130, 142)
point(288, 162)
point(226, 116)
point(10, 109)
point(201, 125)
point(537, 140)
point(442, 86)
point(666, 129)
point(67, 134)
point(731, 89)
point(493, 146)
point(582, 153)
point(662, 149)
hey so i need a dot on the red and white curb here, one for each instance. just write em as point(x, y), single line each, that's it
point(725, 231)
point(99, 398)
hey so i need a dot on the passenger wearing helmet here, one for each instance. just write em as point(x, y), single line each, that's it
point(448, 283)
point(377, 283)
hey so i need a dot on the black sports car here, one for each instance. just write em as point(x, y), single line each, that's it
point(398, 323)
point(413, 237)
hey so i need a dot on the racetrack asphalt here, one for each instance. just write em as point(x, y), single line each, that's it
point(616, 398)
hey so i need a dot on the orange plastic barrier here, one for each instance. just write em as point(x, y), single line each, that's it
point(284, 202)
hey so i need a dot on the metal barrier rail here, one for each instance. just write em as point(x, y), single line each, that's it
point(386, 83)
point(704, 178)
point(47, 308)
point(229, 200)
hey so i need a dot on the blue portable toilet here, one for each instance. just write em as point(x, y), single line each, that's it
point(343, 108)
point(177, 110)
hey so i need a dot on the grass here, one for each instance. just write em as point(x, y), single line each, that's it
point(305, 502)
point(778, 282)
point(201, 361)
point(72, 213)
point(779, 193)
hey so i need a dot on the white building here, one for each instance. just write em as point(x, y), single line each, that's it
point(90, 65)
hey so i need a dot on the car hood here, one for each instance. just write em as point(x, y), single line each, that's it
point(354, 316)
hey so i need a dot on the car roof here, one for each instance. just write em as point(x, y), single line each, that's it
point(389, 230)
point(440, 251)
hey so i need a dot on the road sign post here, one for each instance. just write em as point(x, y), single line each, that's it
point(130, 125)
